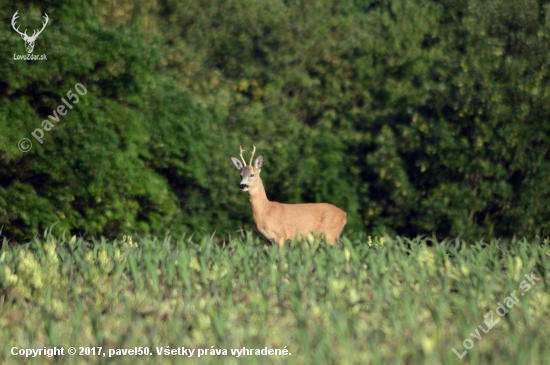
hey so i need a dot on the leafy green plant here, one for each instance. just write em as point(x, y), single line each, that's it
point(413, 299)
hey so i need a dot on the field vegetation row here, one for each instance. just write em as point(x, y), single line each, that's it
point(386, 300)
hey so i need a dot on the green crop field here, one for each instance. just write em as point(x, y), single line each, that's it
point(387, 300)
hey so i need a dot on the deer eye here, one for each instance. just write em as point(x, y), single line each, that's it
point(251, 175)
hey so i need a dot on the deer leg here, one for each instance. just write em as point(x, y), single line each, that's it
point(267, 243)
point(330, 239)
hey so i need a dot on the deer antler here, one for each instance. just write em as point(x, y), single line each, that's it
point(13, 19)
point(34, 34)
point(242, 158)
point(43, 26)
point(252, 157)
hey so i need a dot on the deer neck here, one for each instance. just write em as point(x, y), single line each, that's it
point(258, 199)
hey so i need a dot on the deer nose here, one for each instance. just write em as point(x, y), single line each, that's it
point(242, 186)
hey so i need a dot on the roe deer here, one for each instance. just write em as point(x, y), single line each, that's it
point(279, 222)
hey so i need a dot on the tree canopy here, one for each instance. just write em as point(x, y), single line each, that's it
point(414, 116)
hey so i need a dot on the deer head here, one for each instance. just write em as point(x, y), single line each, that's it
point(249, 174)
point(29, 41)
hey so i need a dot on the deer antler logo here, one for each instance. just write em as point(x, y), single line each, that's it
point(29, 41)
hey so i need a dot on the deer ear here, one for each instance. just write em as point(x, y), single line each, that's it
point(259, 163)
point(238, 164)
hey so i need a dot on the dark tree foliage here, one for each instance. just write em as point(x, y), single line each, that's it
point(415, 117)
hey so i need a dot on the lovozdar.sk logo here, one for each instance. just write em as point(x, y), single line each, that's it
point(29, 40)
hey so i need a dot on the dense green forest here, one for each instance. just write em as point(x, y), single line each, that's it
point(415, 117)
